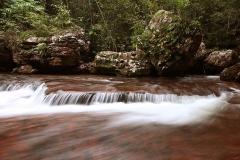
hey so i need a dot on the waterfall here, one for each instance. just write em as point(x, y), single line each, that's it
point(93, 98)
point(165, 108)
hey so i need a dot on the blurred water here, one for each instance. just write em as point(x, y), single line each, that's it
point(103, 117)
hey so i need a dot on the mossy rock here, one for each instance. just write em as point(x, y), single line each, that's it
point(129, 64)
point(170, 43)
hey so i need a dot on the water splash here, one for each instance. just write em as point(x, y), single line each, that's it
point(134, 107)
point(129, 97)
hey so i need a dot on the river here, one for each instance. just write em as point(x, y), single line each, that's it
point(93, 117)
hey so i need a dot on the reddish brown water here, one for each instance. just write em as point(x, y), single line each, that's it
point(82, 136)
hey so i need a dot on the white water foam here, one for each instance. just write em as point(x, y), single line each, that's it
point(213, 77)
point(167, 109)
point(102, 80)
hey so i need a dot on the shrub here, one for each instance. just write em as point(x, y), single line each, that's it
point(42, 49)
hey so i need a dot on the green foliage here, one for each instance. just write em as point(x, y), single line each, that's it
point(111, 25)
point(42, 49)
point(14, 70)
point(20, 14)
point(117, 24)
point(28, 18)
point(11, 39)
point(181, 4)
point(63, 17)
point(220, 21)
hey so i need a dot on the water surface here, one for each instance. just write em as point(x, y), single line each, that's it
point(105, 117)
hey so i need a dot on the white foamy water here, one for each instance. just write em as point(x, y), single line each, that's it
point(213, 77)
point(135, 107)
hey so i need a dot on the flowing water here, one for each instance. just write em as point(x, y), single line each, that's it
point(90, 117)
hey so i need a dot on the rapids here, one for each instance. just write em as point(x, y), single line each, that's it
point(203, 106)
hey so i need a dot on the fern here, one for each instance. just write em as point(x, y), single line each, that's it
point(42, 49)
point(14, 70)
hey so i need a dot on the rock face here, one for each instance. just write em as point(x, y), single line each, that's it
point(26, 69)
point(6, 62)
point(168, 45)
point(231, 73)
point(63, 54)
point(217, 61)
point(196, 65)
point(122, 64)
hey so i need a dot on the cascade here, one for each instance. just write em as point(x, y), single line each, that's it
point(162, 108)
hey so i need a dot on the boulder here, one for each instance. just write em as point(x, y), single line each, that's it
point(217, 61)
point(122, 64)
point(231, 73)
point(196, 64)
point(26, 69)
point(169, 43)
point(84, 68)
point(63, 53)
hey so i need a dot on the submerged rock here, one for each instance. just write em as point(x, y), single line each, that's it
point(217, 61)
point(63, 53)
point(231, 73)
point(122, 64)
point(169, 43)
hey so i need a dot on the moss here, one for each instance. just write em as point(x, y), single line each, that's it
point(165, 33)
point(160, 14)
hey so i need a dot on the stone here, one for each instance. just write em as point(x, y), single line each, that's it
point(36, 40)
point(217, 61)
point(169, 52)
point(84, 68)
point(129, 64)
point(60, 53)
point(231, 73)
point(26, 69)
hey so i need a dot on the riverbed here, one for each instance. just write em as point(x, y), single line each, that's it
point(105, 117)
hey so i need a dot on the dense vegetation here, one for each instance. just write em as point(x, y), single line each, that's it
point(116, 24)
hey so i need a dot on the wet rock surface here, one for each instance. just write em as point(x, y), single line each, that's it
point(130, 64)
point(231, 73)
point(217, 61)
point(56, 54)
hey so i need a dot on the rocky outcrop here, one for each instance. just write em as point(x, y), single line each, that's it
point(63, 54)
point(169, 43)
point(122, 64)
point(217, 61)
point(196, 64)
point(161, 50)
point(26, 69)
point(6, 62)
point(84, 68)
point(231, 73)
